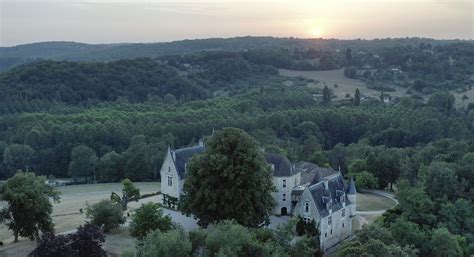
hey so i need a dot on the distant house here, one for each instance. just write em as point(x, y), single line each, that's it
point(302, 189)
point(386, 99)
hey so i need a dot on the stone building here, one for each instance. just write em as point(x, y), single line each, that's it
point(302, 189)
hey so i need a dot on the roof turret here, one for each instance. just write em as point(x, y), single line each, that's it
point(351, 189)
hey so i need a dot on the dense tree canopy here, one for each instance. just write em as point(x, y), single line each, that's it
point(230, 180)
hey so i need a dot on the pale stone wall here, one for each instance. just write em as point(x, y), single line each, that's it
point(168, 169)
point(338, 230)
point(300, 207)
point(282, 196)
point(330, 234)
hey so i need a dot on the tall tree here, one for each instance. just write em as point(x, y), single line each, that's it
point(326, 95)
point(138, 167)
point(357, 97)
point(17, 157)
point(28, 209)
point(147, 218)
point(83, 162)
point(349, 55)
point(230, 180)
point(442, 101)
point(110, 167)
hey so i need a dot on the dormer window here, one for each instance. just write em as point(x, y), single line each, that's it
point(284, 183)
point(306, 207)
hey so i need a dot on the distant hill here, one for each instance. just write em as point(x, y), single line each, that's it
point(72, 51)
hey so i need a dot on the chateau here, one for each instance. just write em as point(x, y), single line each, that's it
point(302, 189)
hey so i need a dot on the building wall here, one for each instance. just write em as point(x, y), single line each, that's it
point(283, 194)
point(168, 169)
point(339, 229)
point(330, 234)
point(300, 207)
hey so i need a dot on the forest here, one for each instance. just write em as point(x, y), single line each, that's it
point(106, 121)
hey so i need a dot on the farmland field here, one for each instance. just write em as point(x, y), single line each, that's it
point(67, 216)
point(344, 85)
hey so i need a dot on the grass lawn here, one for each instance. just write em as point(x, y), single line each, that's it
point(344, 85)
point(372, 202)
point(67, 217)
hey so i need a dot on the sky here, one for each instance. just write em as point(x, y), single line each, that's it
point(116, 21)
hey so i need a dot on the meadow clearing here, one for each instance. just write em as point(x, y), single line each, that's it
point(344, 85)
point(67, 216)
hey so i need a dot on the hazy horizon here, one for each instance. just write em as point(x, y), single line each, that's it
point(118, 21)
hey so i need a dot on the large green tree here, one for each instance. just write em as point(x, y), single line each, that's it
point(28, 209)
point(137, 157)
point(147, 218)
point(83, 162)
point(110, 167)
point(17, 157)
point(230, 180)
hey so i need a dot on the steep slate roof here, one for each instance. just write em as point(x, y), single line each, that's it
point(283, 167)
point(317, 192)
point(182, 156)
point(312, 173)
point(335, 189)
point(351, 189)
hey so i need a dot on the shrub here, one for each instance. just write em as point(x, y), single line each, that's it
point(147, 218)
point(365, 179)
point(173, 243)
point(86, 242)
point(106, 214)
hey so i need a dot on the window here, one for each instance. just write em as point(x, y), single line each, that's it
point(331, 231)
point(170, 181)
point(329, 220)
point(325, 234)
point(342, 224)
point(343, 212)
point(169, 169)
point(306, 207)
point(284, 197)
point(284, 183)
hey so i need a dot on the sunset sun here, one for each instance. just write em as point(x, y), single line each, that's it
point(317, 32)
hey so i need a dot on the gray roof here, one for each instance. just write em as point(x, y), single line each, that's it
point(282, 166)
point(312, 173)
point(321, 195)
point(351, 189)
point(182, 156)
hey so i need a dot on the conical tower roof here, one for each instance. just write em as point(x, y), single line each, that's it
point(351, 189)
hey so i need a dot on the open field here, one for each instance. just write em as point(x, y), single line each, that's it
point(463, 103)
point(67, 217)
point(373, 202)
point(344, 85)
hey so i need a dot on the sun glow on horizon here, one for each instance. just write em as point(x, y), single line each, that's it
point(317, 32)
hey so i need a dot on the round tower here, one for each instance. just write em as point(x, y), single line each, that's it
point(352, 195)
